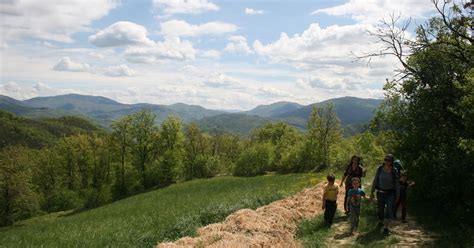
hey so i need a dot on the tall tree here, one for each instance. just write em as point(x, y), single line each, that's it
point(324, 131)
point(122, 139)
point(429, 108)
point(144, 135)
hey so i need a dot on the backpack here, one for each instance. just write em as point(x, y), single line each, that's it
point(397, 165)
point(395, 176)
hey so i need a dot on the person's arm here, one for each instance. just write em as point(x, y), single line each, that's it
point(372, 190)
point(324, 199)
point(344, 177)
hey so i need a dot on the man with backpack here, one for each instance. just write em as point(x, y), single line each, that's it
point(387, 185)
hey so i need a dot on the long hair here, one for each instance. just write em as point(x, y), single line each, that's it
point(359, 159)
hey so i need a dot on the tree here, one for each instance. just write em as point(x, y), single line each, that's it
point(17, 197)
point(171, 147)
point(197, 150)
point(121, 138)
point(323, 132)
point(429, 106)
point(144, 142)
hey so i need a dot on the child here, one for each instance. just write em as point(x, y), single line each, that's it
point(404, 184)
point(353, 202)
point(329, 199)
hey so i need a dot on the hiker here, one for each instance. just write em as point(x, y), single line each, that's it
point(329, 203)
point(388, 191)
point(404, 184)
point(355, 196)
point(353, 169)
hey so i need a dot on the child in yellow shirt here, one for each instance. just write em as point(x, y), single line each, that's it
point(329, 200)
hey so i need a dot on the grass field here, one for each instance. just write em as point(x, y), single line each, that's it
point(146, 219)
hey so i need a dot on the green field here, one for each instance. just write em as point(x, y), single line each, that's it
point(146, 219)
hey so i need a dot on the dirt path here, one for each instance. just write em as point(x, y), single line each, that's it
point(273, 225)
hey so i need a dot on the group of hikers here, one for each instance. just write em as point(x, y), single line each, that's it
point(390, 185)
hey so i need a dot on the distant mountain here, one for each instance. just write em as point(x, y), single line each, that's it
point(274, 109)
point(350, 110)
point(104, 111)
point(354, 113)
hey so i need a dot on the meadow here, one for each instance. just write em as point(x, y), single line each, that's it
point(165, 214)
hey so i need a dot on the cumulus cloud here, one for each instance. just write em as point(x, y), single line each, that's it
point(22, 92)
point(373, 11)
point(210, 54)
point(172, 48)
point(54, 20)
point(121, 34)
point(171, 7)
point(66, 64)
point(182, 28)
point(119, 71)
point(238, 44)
point(250, 11)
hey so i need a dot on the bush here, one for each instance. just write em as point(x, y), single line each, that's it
point(255, 160)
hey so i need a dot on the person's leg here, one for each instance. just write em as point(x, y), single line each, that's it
point(395, 210)
point(380, 206)
point(356, 216)
point(333, 211)
point(403, 202)
point(345, 199)
point(389, 201)
point(326, 212)
point(329, 212)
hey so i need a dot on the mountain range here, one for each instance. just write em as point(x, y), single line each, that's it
point(352, 111)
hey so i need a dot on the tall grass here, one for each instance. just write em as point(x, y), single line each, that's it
point(146, 219)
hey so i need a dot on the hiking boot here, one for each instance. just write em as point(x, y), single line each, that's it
point(404, 221)
point(386, 231)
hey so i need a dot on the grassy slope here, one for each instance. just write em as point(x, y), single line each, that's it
point(148, 218)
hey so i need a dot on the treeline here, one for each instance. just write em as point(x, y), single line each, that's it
point(86, 170)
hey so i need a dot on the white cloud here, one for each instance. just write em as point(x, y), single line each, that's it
point(120, 34)
point(171, 7)
point(373, 11)
point(325, 56)
point(169, 49)
point(119, 71)
point(53, 20)
point(182, 28)
point(210, 54)
point(250, 11)
point(273, 92)
point(238, 44)
point(66, 64)
point(15, 90)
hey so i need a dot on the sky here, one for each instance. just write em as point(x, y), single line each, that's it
point(230, 54)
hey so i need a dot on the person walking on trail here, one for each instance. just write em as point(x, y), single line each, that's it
point(388, 191)
point(355, 196)
point(329, 203)
point(402, 202)
point(353, 169)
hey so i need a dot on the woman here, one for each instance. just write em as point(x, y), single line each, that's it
point(388, 191)
point(354, 169)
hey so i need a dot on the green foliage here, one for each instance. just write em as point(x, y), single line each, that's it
point(324, 132)
point(17, 197)
point(255, 160)
point(430, 112)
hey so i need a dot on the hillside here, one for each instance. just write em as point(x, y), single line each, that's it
point(149, 218)
point(37, 133)
point(274, 109)
point(354, 113)
point(100, 109)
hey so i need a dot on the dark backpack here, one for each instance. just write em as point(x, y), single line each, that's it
point(398, 166)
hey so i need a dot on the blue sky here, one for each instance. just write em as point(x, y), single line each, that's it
point(219, 54)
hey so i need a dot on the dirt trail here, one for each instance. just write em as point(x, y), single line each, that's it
point(273, 225)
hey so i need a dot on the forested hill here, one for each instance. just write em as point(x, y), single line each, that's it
point(37, 133)
point(353, 112)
